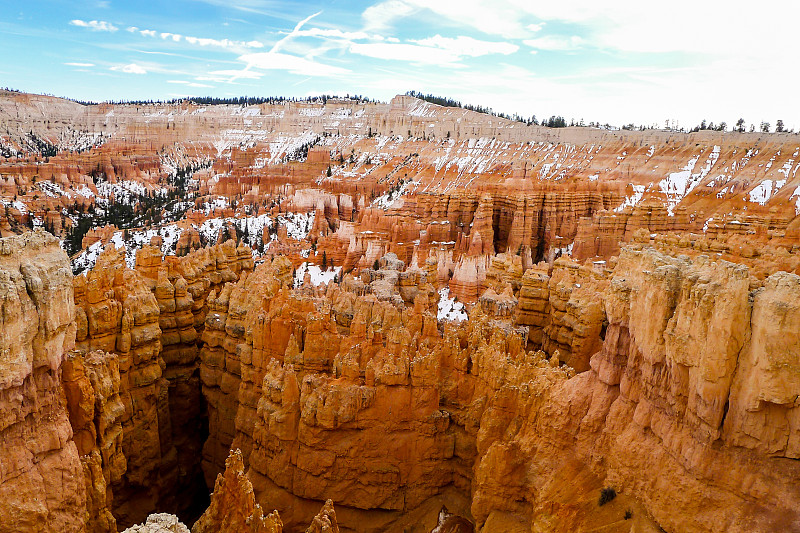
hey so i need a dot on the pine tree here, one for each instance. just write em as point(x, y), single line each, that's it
point(324, 261)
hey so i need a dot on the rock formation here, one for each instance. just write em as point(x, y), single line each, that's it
point(41, 479)
point(91, 383)
point(233, 506)
point(523, 329)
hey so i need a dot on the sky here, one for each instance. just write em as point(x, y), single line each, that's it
point(616, 62)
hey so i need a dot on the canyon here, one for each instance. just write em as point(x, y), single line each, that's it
point(357, 316)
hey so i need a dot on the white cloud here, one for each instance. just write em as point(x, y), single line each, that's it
point(95, 25)
point(262, 7)
point(535, 27)
point(436, 50)
point(200, 41)
point(555, 42)
point(495, 18)
point(467, 46)
point(189, 83)
point(277, 46)
point(80, 64)
point(411, 53)
point(227, 75)
point(290, 63)
point(383, 14)
point(131, 68)
point(224, 43)
point(338, 34)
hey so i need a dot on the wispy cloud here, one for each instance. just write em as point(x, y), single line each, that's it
point(383, 14)
point(467, 46)
point(290, 63)
point(199, 41)
point(338, 34)
point(555, 43)
point(220, 76)
point(499, 17)
point(224, 43)
point(131, 68)
point(80, 64)
point(95, 25)
point(277, 46)
point(189, 83)
point(435, 50)
point(270, 8)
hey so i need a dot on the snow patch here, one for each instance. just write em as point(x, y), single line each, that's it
point(796, 194)
point(317, 275)
point(678, 184)
point(765, 190)
point(298, 225)
point(633, 199)
point(449, 308)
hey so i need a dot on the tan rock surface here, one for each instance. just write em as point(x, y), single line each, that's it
point(91, 383)
point(663, 366)
point(41, 475)
point(233, 506)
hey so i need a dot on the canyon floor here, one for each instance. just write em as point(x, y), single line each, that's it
point(348, 316)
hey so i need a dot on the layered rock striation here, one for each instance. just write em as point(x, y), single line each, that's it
point(671, 378)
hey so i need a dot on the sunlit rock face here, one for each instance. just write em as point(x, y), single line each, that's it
point(417, 319)
point(41, 480)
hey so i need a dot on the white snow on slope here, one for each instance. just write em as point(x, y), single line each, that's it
point(421, 109)
point(449, 308)
point(219, 202)
point(765, 190)
point(138, 239)
point(318, 277)
point(87, 258)
point(16, 204)
point(298, 225)
point(84, 191)
point(633, 199)
point(53, 190)
point(388, 200)
point(678, 184)
point(796, 194)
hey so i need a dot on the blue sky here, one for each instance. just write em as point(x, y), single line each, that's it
point(631, 61)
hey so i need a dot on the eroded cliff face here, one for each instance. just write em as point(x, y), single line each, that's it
point(91, 382)
point(151, 319)
point(692, 386)
point(346, 395)
point(654, 415)
point(407, 177)
point(41, 474)
point(632, 301)
point(357, 391)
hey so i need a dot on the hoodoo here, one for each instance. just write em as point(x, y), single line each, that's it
point(349, 316)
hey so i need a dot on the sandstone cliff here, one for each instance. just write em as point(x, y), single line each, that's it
point(41, 478)
point(520, 319)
